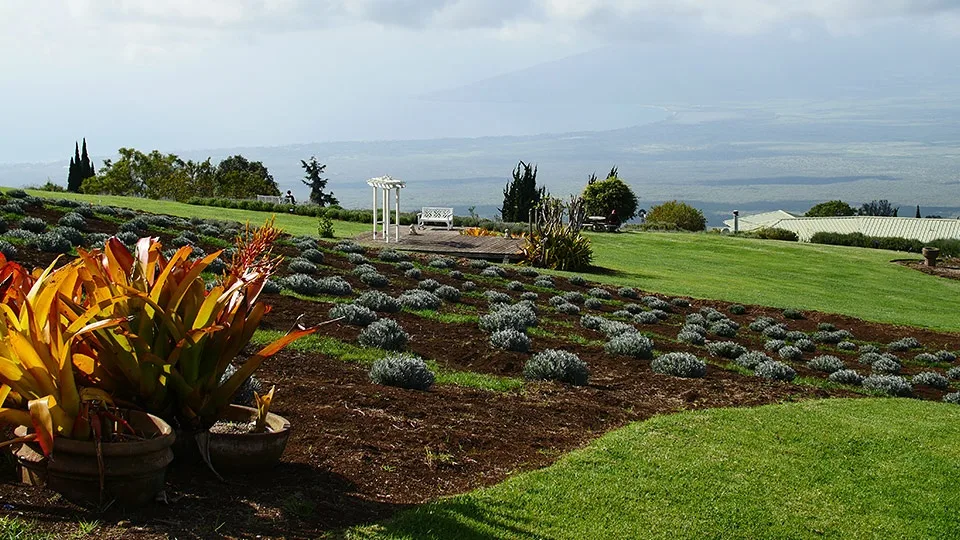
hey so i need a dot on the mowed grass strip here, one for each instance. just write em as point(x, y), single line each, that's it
point(861, 468)
point(858, 282)
point(348, 352)
point(290, 223)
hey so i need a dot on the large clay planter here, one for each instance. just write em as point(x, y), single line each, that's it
point(930, 255)
point(133, 471)
point(247, 451)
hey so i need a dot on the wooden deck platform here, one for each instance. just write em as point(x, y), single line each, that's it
point(452, 243)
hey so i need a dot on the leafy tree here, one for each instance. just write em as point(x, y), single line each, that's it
point(154, 175)
point(613, 193)
point(238, 178)
point(878, 208)
point(522, 194)
point(678, 214)
point(830, 209)
point(313, 178)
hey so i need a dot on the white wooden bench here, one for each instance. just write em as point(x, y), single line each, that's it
point(431, 214)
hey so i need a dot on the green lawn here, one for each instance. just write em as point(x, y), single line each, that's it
point(866, 468)
point(851, 281)
point(295, 225)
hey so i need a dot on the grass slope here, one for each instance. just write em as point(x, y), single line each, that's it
point(866, 468)
point(295, 225)
point(850, 281)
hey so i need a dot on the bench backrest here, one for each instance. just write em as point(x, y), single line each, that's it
point(431, 212)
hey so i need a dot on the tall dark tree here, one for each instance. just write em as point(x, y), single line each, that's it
point(878, 208)
point(918, 212)
point(80, 168)
point(521, 194)
point(86, 166)
point(313, 178)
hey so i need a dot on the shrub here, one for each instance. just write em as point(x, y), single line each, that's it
point(846, 376)
point(886, 365)
point(544, 282)
point(178, 241)
point(680, 302)
point(627, 292)
point(677, 215)
point(402, 371)
point(805, 345)
point(752, 359)
point(479, 264)
point(795, 335)
point(468, 286)
point(725, 349)
point(568, 308)
point(952, 397)
point(354, 314)
point(593, 303)
point(925, 358)
point(74, 236)
point(530, 295)
point(53, 242)
point(557, 365)
point(830, 337)
point(335, 285)
point(869, 349)
point(679, 364)
point(945, 356)
point(349, 247)
point(455, 274)
point(573, 297)
point(510, 340)
point(775, 233)
point(790, 352)
point(633, 309)
point(646, 317)
point(737, 309)
point(616, 328)
point(591, 322)
point(612, 194)
point(298, 265)
point(692, 338)
point(32, 224)
point(12, 208)
point(775, 331)
point(9, 250)
point(356, 258)
point(17, 193)
point(493, 271)
point(904, 344)
point(129, 238)
point(384, 334)
point(362, 269)
point(775, 371)
point(723, 329)
point(413, 273)
point(374, 279)
point(325, 227)
point(791, 313)
point(429, 285)
point(391, 255)
point(826, 327)
point(448, 293)
point(953, 373)
point(656, 303)
point(419, 299)
point(515, 286)
point(774, 345)
point(497, 297)
point(136, 225)
point(577, 280)
point(502, 317)
point(301, 284)
point(528, 272)
point(826, 364)
point(930, 378)
point(696, 318)
point(891, 385)
point(74, 220)
point(600, 292)
point(442, 262)
point(271, 286)
point(217, 266)
point(378, 301)
point(313, 255)
point(761, 323)
point(847, 346)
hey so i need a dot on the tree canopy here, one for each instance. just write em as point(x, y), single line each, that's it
point(880, 207)
point(831, 209)
point(313, 178)
point(521, 194)
point(679, 215)
point(603, 196)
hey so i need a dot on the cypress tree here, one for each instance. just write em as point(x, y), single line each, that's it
point(72, 182)
point(86, 168)
point(521, 194)
point(918, 210)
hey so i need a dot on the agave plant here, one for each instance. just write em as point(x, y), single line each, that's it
point(557, 244)
point(177, 338)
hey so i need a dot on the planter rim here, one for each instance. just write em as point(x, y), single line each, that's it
point(163, 429)
point(277, 423)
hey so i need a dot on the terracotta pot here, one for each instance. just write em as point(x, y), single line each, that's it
point(247, 451)
point(133, 472)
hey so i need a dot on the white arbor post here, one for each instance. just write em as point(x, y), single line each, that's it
point(385, 184)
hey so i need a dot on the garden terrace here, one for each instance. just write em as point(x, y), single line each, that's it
point(362, 452)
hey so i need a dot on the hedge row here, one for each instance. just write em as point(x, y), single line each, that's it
point(949, 247)
point(341, 214)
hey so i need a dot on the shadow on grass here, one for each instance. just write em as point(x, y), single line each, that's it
point(461, 519)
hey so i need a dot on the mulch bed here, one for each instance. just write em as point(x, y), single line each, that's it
point(948, 268)
point(360, 452)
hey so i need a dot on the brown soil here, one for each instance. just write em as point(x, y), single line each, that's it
point(948, 268)
point(360, 452)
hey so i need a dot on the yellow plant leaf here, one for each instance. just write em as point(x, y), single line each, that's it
point(42, 421)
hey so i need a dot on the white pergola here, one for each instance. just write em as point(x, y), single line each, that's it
point(384, 184)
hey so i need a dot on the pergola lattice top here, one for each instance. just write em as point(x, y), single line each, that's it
point(385, 182)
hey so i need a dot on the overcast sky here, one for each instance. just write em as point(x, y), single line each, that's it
point(187, 74)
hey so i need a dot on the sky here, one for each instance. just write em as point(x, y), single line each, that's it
point(195, 74)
